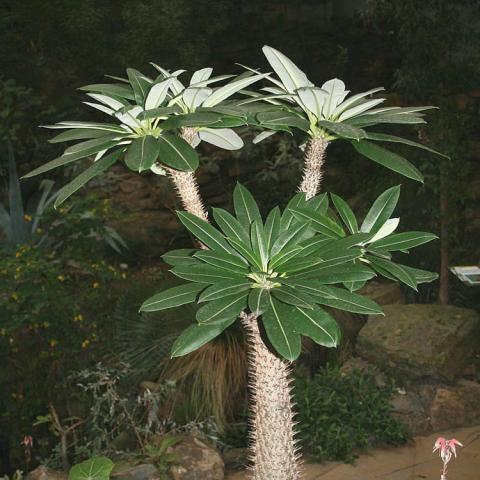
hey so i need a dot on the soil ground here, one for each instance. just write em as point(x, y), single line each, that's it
point(412, 462)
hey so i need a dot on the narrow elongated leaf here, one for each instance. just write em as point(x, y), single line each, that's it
point(386, 229)
point(142, 153)
point(345, 213)
point(113, 103)
point(223, 289)
point(312, 245)
point(284, 256)
point(182, 256)
point(139, 83)
point(320, 223)
point(193, 97)
point(230, 226)
point(339, 274)
point(396, 270)
point(360, 108)
point(313, 267)
point(421, 276)
point(381, 210)
point(225, 260)
point(339, 298)
point(388, 159)
point(72, 157)
point(336, 94)
point(375, 118)
point(290, 75)
point(177, 153)
point(297, 201)
point(262, 136)
point(230, 89)
point(157, 94)
point(205, 274)
point(272, 226)
point(89, 145)
point(201, 75)
point(223, 309)
point(291, 296)
point(343, 130)
point(259, 242)
point(245, 206)
point(280, 329)
point(382, 137)
point(195, 336)
point(80, 134)
point(78, 182)
point(319, 203)
point(313, 99)
point(283, 118)
point(194, 119)
point(115, 89)
point(173, 297)
point(108, 127)
point(221, 137)
point(246, 252)
point(205, 232)
point(355, 100)
point(318, 325)
point(288, 238)
point(259, 300)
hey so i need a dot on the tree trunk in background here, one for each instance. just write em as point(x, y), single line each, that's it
point(186, 183)
point(272, 451)
point(443, 293)
point(313, 163)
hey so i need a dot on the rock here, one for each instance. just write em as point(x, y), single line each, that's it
point(197, 461)
point(384, 293)
point(357, 364)
point(415, 341)
point(408, 408)
point(143, 471)
point(447, 410)
point(45, 473)
point(235, 458)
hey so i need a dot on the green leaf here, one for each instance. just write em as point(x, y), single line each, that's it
point(194, 119)
point(318, 325)
point(290, 75)
point(157, 94)
point(371, 118)
point(297, 201)
point(230, 226)
point(221, 137)
point(382, 137)
point(339, 298)
point(205, 232)
point(311, 267)
point(404, 241)
point(223, 289)
point(421, 276)
point(173, 297)
point(259, 300)
point(396, 270)
point(72, 157)
point(320, 223)
point(288, 238)
point(78, 182)
point(381, 210)
point(177, 153)
point(115, 89)
point(279, 326)
point(284, 256)
point(98, 468)
point(343, 130)
point(339, 274)
point(319, 203)
point(139, 84)
point(272, 226)
point(245, 206)
point(345, 213)
point(182, 256)
point(205, 274)
point(225, 260)
point(223, 309)
point(259, 243)
point(388, 159)
point(291, 296)
point(287, 119)
point(142, 153)
point(246, 252)
point(79, 134)
point(196, 336)
point(314, 244)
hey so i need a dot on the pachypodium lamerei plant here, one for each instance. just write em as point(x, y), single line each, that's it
point(275, 275)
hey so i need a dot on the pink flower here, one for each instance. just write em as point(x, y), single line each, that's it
point(27, 441)
point(447, 449)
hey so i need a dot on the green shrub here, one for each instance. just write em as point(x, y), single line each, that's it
point(340, 415)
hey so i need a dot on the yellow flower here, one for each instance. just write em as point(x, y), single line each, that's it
point(61, 278)
point(39, 230)
point(28, 218)
point(85, 343)
point(14, 296)
point(124, 275)
point(18, 254)
point(78, 318)
point(53, 342)
point(95, 285)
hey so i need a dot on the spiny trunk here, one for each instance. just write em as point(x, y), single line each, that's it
point(186, 183)
point(272, 451)
point(313, 163)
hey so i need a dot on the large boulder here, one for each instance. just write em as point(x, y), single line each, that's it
point(196, 461)
point(45, 473)
point(415, 341)
point(142, 471)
